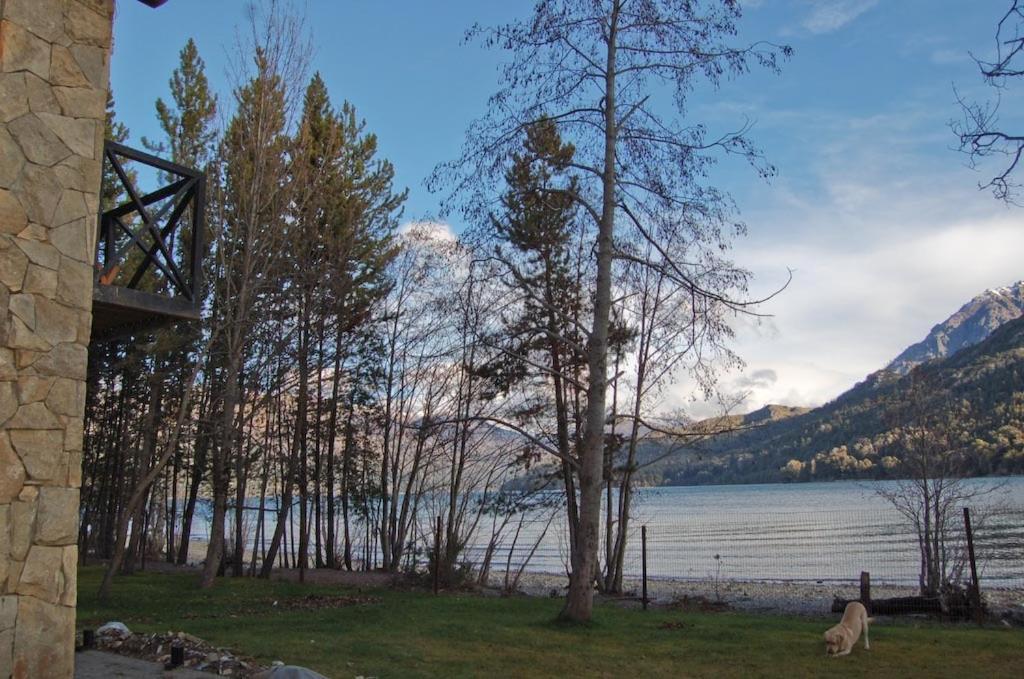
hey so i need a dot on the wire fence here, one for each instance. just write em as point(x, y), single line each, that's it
point(831, 547)
point(704, 553)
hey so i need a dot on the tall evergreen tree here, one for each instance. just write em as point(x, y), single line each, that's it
point(256, 168)
point(543, 342)
point(190, 138)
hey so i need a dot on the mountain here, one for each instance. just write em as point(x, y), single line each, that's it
point(763, 415)
point(971, 324)
point(977, 392)
point(967, 374)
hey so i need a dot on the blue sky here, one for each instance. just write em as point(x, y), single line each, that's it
point(877, 215)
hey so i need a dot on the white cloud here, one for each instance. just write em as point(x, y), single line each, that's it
point(887, 235)
point(827, 16)
point(437, 230)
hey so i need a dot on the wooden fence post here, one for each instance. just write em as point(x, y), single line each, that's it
point(865, 590)
point(975, 592)
point(437, 556)
point(643, 557)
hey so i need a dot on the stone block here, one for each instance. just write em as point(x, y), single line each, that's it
point(20, 336)
point(23, 306)
point(24, 358)
point(83, 334)
point(55, 322)
point(81, 102)
point(8, 371)
point(8, 406)
point(44, 640)
point(13, 96)
point(74, 469)
point(42, 453)
point(44, 18)
point(43, 573)
point(70, 208)
point(13, 265)
point(67, 397)
point(41, 98)
point(32, 389)
point(33, 416)
point(78, 134)
point(23, 50)
point(64, 360)
point(36, 232)
point(64, 70)
point(42, 254)
point(38, 190)
point(74, 284)
point(7, 650)
point(69, 177)
point(72, 240)
point(12, 160)
point(22, 524)
point(40, 281)
point(13, 218)
point(85, 25)
point(39, 142)
point(13, 575)
point(74, 433)
point(12, 473)
point(93, 63)
point(69, 594)
point(8, 612)
point(57, 516)
point(77, 173)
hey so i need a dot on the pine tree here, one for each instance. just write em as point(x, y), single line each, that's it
point(539, 222)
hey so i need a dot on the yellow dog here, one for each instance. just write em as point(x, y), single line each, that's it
point(839, 640)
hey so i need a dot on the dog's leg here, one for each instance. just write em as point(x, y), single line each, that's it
point(867, 645)
point(843, 652)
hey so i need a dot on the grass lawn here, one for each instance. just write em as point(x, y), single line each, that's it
point(414, 634)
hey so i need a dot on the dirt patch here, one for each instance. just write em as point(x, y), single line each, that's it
point(309, 602)
point(700, 604)
point(314, 602)
point(326, 576)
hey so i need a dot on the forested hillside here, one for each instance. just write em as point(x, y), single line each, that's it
point(979, 391)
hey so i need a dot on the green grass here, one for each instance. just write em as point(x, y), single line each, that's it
point(414, 634)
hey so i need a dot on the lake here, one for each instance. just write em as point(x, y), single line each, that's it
point(811, 532)
point(799, 532)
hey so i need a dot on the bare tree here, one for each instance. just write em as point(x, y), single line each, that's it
point(255, 146)
point(980, 131)
point(598, 71)
point(934, 490)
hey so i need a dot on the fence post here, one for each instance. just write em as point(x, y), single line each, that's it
point(865, 590)
point(643, 556)
point(975, 588)
point(437, 556)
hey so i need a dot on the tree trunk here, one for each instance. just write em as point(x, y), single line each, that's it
point(215, 549)
point(580, 600)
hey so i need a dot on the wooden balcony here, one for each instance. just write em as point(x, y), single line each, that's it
point(149, 246)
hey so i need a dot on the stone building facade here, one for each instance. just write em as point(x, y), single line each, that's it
point(54, 68)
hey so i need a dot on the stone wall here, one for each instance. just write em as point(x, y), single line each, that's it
point(54, 67)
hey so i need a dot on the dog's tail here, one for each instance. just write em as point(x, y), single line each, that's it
point(871, 621)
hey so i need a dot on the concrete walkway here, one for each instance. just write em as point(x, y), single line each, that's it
point(100, 665)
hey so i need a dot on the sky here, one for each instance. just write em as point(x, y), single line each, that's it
point(877, 216)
